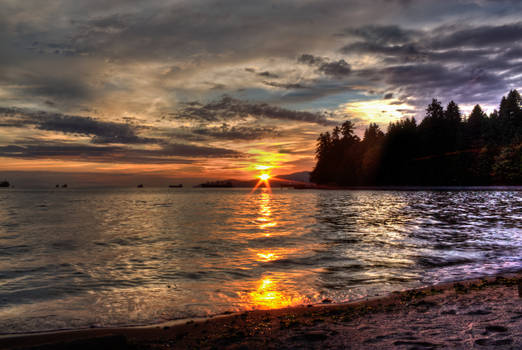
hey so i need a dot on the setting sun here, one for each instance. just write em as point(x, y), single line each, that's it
point(264, 177)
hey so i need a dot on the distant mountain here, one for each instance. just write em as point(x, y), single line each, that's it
point(276, 181)
point(302, 176)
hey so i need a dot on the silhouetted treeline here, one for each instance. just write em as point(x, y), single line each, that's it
point(444, 149)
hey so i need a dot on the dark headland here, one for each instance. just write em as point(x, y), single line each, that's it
point(446, 148)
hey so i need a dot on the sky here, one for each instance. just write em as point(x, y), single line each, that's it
point(121, 92)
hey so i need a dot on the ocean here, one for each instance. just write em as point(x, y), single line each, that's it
point(80, 258)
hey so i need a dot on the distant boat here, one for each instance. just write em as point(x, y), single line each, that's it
point(140, 186)
point(4, 184)
point(176, 186)
point(57, 186)
point(64, 186)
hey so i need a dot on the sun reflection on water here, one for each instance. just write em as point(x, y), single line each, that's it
point(267, 256)
point(265, 220)
point(270, 291)
point(270, 295)
point(150, 256)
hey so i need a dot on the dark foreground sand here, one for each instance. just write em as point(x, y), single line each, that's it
point(483, 313)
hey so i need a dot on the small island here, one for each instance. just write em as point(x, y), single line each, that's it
point(218, 184)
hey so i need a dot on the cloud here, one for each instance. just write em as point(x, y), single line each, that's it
point(143, 60)
point(168, 154)
point(58, 88)
point(463, 84)
point(408, 52)
point(228, 108)
point(480, 36)
point(390, 34)
point(265, 73)
point(186, 150)
point(288, 86)
point(101, 131)
point(444, 44)
point(336, 69)
point(473, 63)
point(129, 46)
point(311, 60)
point(237, 132)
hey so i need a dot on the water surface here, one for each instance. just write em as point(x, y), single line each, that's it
point(72, 258)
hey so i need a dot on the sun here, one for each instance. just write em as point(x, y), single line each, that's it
point(264, 177)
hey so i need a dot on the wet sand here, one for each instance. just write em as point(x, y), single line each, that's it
point(481, 313)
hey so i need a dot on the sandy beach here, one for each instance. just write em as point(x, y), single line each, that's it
point(480, 313)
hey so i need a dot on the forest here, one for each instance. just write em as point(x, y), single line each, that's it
point(445, 149)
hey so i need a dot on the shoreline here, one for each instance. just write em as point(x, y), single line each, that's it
point(309, 186)
point(493, 300)
point(492, 188)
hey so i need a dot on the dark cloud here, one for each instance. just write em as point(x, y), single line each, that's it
point(289, 86)
point(317, 90)
point(181, 29)
point(266, 74)
point(408, 52)
point(336, 69)
point(424, 81)
point(168, 154)
point(467, 63)
point(381, 35)
point(445, 44)
point(63, 89)
point(311, 59)
point(228, 108)
point(332, 68)
point(46, 82)
point(477, 37)
point(227, 132)
point(203, 34)
point(101, 131)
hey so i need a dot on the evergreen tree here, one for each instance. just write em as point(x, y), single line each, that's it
point(476, 127)
point(434, 110)
point(452, 123)
point(510, 116)
point(433, 129)
point(452, 113)
point(442, 150)
point(372, 134)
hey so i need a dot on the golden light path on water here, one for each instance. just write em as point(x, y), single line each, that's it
point(269, 292)
point(153, 255)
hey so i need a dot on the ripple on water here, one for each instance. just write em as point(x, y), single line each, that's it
point(83, 258)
